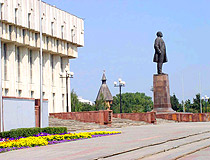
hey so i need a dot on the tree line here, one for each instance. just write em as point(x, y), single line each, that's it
point(193, 106)
point(138, 102)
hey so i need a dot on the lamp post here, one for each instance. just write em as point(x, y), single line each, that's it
point(205, 98)
point(120, 85)
point(1, 108)
point(41, 66)
point(67, 75)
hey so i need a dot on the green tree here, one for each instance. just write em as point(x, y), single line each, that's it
point(176, 106)
point(86, 107)
point(74, 101)
point(101, 103)
point(196, 104)
point(132, 102)
point(79, 106)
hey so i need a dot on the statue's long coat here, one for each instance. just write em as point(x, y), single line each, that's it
point(160, 51)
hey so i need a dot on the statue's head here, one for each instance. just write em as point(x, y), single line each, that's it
point(159, 34)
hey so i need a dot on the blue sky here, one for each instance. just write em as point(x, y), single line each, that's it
point(119, 37)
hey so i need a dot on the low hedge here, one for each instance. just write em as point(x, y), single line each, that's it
point(26, 132)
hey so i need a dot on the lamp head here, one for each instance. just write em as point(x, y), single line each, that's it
point(115, 83)
point(71, 74)
point(61, 74)
point(122, 83)
point(68, 72)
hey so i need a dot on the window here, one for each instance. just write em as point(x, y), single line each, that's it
point(19, 93)
point(29, 20)
point(68, 47)
point(29, 35)
point(57, 44)
point(36, 39)
point(62, 70)
point(24, 32)
point(62, 32)
point(52, 67)
point(31, 65)
point(16, 15)
point(72, 35)
point(5, 62)
point(62, 64)
point(1, 7)
point(6, 28)
point(53, 96)
point(52, 25)
point(10, 32)
point(32, 94)
point(18, 62)
point(63, 102)
point(2, 29)
point(33, 36)
point(43, 95)
point(47, 42)
point(16, 35)
point(6, 91)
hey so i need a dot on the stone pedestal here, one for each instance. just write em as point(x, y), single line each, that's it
point(161, 93)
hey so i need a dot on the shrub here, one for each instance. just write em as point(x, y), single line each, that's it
point(54, 130)
point(26, 132)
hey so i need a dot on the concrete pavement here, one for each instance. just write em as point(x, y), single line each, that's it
point(164, 141)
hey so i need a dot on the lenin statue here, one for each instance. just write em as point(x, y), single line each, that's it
point(160, 52)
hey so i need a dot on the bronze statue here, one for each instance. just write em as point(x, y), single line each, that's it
point(160, 52)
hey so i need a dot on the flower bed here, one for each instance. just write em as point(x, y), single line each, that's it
point(44, 139)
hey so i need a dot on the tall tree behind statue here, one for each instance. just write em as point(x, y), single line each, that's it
point(132, 102)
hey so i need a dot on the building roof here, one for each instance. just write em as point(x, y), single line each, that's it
point(104, 90)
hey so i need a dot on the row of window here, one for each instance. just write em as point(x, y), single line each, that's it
point(54, 42)
point(29, 24)
point(18, 61)
point(29, 19)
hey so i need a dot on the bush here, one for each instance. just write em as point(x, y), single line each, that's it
point(54, 130)
point(26, 132)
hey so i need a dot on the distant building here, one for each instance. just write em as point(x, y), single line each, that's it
point(104, 92)
point(63, 33)
point(80, 99)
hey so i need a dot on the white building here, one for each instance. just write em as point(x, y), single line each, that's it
point(19, 32)
point(80, 99)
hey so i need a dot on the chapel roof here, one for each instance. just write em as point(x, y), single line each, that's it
point(104, 90)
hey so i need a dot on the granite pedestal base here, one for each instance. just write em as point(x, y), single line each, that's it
point(162, 103)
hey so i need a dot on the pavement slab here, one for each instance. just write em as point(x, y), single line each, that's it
point(132, 140)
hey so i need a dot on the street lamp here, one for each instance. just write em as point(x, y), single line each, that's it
point(67, 75)
point(206, 98)
point(120, 85)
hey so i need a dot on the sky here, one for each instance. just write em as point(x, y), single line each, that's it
point(119, 38)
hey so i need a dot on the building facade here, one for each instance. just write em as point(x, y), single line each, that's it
point(80, 99)
point(63, 33)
